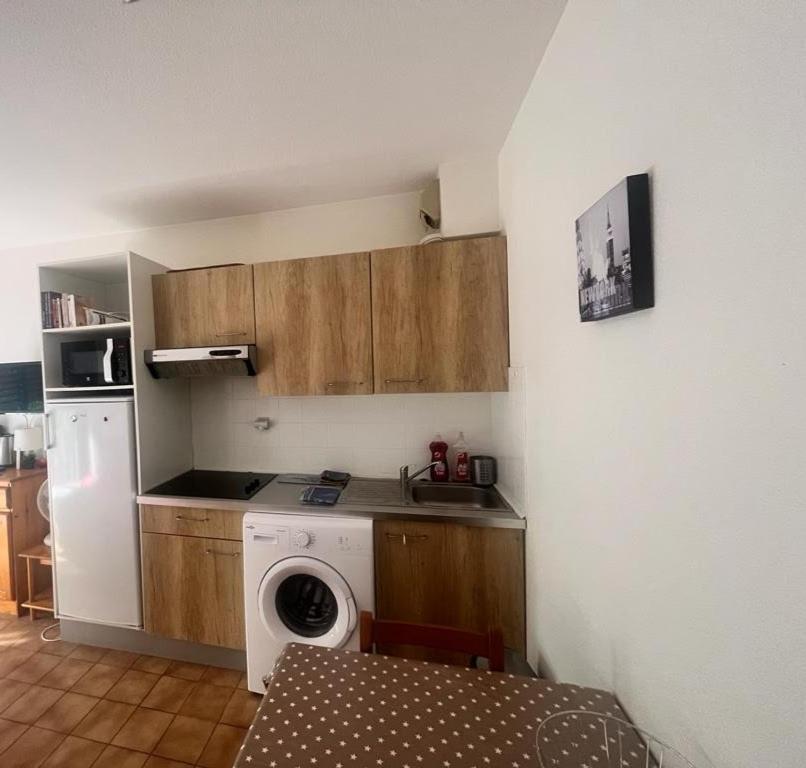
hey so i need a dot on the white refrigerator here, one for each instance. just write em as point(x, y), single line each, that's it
point(93, 503)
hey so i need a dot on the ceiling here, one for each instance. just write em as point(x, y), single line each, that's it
point(118, 116)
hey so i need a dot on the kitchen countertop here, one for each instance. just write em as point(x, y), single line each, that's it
point(382, 504)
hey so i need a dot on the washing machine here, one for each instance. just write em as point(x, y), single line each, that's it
point(306, 578)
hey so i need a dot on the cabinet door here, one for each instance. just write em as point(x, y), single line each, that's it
point(439, 317)
point(204, 307)
point(193, 589)
point(454, 575)
point(314, 326)
point(192, 521)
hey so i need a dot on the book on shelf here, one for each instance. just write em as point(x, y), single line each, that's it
point(69, 310)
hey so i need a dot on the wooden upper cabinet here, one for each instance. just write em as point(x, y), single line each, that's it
point(439, 317)
point(314, 326)
point(204, 307)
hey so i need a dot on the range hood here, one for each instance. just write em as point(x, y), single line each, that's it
point(196, 362)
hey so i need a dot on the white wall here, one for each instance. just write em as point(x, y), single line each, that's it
point(469, 196)
point(370, 435)
point(665, 450)
point(378, 222)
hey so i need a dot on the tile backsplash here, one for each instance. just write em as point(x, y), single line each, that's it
point(366, 435)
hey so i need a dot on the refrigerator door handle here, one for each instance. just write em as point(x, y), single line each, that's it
point(108, 362)
point(46, 426)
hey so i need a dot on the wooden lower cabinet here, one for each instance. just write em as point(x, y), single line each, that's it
point(455, 575)
point(21, 527)
point(192, 521)
point(193, 589)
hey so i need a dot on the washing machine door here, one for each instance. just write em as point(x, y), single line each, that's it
point(305, 600)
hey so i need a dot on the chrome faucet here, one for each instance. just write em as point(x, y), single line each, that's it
point(406, 478)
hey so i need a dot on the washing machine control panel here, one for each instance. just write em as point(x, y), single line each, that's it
point(303, 539)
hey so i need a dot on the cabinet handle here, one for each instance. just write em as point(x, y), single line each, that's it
point(407, 538)
point(218, 553)
point(331, 384)
point(231, 333)
point(193, 519)
point(403, 381)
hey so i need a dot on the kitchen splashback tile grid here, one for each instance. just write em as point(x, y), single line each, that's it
point(366, 435)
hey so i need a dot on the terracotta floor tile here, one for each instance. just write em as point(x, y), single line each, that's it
point(143, 730)
point(241, 709)
point(185, 739)
point(104, 720)
point(11, 633)
point(153, 664)
point(117, 757)
point(98, 680)
point(9, 733)
point(58, 648)
point(74, 753)
point(31, 643)
point(228, 678)
point(133, 687)
point(122, 659)
point(11, 658)
point(168, 694)
point(10, 691)
point(207, 702)
point(88, 653)
point(64, 705)
point(67, 712)
point(30, 749)
point(186, 670)
point(161, 762)
point(222, 747)
point(34, 668)
point(32, 704)
point(66, 673)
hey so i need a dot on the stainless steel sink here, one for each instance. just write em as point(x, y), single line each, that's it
point(449, 495)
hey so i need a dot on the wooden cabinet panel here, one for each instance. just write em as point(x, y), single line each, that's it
point(193, 589)
point(6, 557)
point(454, 575)
point(439, 317)
point(314, 326)
point(21, 527)
point(204, 307)
point(191, 521)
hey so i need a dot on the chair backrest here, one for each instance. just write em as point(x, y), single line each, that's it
point(489, 645)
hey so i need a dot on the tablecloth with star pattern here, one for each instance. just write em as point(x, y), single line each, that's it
point(331, 708)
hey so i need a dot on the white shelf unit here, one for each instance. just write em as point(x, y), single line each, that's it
point(85, 390)
point(121, 283)
point(88, 330)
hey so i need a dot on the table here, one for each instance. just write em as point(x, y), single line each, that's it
point(330, 708)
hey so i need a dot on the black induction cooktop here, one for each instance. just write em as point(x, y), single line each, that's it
point(208, 484)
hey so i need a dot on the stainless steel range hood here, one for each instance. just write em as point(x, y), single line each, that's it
point(195, 362)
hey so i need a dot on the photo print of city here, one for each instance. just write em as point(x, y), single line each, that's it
point(604, 266)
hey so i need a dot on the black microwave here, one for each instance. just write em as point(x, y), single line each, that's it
point(96, 363)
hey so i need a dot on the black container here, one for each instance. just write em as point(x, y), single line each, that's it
point(483, 471)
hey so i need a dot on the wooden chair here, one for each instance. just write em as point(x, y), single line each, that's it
point(489, 645)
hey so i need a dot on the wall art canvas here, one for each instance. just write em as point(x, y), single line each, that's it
point(614, 252)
